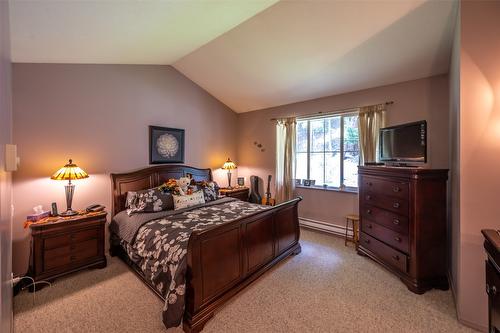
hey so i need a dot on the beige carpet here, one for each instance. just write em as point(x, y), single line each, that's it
point(327, 288)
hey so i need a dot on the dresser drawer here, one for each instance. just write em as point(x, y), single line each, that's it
point(61, 256)
point(384, 252)
point(396, 205)
point(393, 221)
point(386, 187)
point(386, 235)
point(67, 239)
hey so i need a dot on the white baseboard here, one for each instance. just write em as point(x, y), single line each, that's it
point(329, 228)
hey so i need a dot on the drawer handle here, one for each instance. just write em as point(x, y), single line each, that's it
point(395, 257)
point(369, 183)
point(492, 291)
point(395, 205)
point(369, 211)
point(396, 189)
point(397, 239)
point(369, 226)
point(396, 221)
point(368, 197)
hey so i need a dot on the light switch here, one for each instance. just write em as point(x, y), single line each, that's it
point(11, 159)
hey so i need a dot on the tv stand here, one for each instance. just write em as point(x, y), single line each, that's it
point(403, 223)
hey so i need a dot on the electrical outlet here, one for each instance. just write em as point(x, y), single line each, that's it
point(14, 280)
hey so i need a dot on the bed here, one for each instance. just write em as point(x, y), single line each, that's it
point(222, 258)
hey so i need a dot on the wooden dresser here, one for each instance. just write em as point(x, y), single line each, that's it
point(403, 223)
point(67, 245)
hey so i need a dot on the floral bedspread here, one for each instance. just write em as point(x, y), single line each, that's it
point(160, 249)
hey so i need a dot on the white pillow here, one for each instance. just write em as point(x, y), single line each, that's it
point(185, 201)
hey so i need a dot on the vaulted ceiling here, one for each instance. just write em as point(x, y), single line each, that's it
point(248, 54)
point(121, 31)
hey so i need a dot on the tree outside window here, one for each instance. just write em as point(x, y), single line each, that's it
point(327, 151)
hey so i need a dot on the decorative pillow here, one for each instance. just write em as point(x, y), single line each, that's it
point(185, 201)
point(131, 199)
point(147, 201)
point(210, 190)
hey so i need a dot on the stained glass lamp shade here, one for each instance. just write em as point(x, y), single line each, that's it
point(69, 172)
point(229, 165)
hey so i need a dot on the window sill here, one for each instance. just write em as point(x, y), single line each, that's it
point(333, 189)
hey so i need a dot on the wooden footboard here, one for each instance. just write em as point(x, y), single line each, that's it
point(225, 259)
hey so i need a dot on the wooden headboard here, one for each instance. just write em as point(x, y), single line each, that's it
point(150, 177)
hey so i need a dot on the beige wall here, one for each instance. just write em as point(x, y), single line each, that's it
point(99, 116)
point(5, 177)
point(479, 150)
point(414, 100)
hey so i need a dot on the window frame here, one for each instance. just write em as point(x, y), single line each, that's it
point(342, 187)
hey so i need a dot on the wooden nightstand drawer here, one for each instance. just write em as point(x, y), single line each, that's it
point(74, 252)
point(56, 258)
point(74, 237)
point(240, 193)
point(56, 242)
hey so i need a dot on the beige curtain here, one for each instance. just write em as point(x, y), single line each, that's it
point(371, 120)
point(285, 159)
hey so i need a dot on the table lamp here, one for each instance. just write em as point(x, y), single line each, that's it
point(69, 172)
point(229, 165)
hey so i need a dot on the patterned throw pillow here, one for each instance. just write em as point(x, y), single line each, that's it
point(131, 199)
point(210, 190)
point(185, 201)
point(147, 201)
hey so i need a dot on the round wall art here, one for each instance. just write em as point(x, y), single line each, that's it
point(167, 145)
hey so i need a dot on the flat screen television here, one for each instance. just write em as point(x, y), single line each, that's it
point(406, 143)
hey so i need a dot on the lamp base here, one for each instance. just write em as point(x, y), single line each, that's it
point(229, 180)
point(69, 212)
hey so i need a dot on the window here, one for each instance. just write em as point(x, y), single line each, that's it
point(327, 151)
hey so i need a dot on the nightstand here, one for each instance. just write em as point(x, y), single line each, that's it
point(63, 245)
point(235, 192)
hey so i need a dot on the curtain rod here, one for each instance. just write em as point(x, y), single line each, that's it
point(333, 112)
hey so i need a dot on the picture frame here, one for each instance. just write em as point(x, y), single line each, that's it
point(241, 181)
point(298, 182)
point(166, 145)
point(53, 211)
point(307, 182)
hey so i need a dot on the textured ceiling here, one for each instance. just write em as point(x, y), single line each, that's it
point(250, 54)
point(120, 31)
point(301, 50)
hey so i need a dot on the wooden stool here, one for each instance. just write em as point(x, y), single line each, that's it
point(354, 219)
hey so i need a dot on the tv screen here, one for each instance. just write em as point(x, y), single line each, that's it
point(404, 143)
